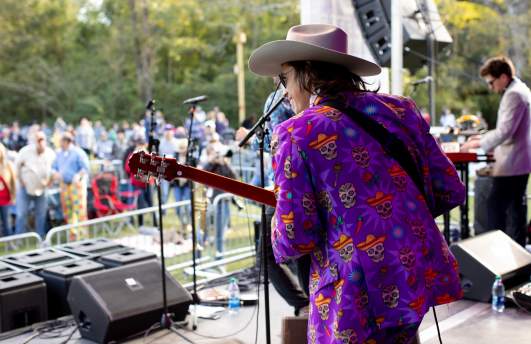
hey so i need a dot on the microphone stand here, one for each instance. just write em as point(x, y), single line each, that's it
point(261, 131)
point(153, 147)
point(191, 147)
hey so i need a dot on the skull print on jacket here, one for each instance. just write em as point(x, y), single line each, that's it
point(361, 270)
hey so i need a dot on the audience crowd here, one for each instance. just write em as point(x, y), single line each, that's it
point(47, 172)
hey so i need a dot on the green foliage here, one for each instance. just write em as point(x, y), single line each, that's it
point(479, 30)
point(73, 58)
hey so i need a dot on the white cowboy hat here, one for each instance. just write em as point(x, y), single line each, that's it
point(311, 42)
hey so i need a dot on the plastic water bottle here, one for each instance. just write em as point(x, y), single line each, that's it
point(498, 295)
point(234, 296)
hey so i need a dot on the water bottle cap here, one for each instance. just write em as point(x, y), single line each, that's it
point(498, 277)
point(233, 280)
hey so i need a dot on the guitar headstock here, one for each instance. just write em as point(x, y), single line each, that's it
point(148, 165)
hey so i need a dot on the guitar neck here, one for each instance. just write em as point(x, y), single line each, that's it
point(233, 186)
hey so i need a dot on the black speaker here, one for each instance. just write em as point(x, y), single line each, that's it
point(22, 300)
point(38, 258)
point(125, 257)
point(91, 247)
point(485, 256)
point(116, 303)
point(482, 187)
point(374, 17)
point(58, 279)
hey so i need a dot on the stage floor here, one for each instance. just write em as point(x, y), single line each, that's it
point(460, 323)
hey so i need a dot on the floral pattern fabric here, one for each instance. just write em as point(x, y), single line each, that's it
point(378, 259)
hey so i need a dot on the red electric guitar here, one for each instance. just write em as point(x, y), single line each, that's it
point(146, 166)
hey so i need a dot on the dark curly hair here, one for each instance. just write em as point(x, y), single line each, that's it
point(497, 66)
point(323, 78)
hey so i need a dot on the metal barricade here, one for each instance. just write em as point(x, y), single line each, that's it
point(250, 214)
point(20, 242)
point(101, 226)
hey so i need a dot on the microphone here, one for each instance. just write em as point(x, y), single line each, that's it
point(422, 81)
point(195, 100)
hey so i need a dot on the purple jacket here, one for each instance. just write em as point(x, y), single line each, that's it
point(378, 259)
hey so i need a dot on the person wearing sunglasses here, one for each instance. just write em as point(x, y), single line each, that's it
point(511, 143)
point(363, 214)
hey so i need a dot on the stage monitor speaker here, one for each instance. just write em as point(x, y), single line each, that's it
point(485, 256)
point(22, 300)
point(114, 304)
point(374, 18)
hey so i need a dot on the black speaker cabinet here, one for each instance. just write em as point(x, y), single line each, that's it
point(374, 18)
point(22, 300)
point(37, 258)
point(125, 257)
point(482, 188)
point(483, 257)
point(58, 278)
point(116, 303)
point(90, 247)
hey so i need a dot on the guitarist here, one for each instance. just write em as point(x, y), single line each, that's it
point(362, 213)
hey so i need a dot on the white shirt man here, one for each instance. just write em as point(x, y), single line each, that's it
point(34, 171)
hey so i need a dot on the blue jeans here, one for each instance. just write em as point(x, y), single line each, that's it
point(40, 204)
point(4, 220)
point(180, 193)
point(222, 221)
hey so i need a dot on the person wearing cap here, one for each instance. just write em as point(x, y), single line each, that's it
point(355, 220)
point(34, 171)
point(71, 168)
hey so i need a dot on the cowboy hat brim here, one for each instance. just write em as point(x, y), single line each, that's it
point(267, 59)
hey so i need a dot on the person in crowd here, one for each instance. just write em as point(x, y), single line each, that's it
point(16, 140)
point(197, 126)
point(119, 146)
point(71, 169)
point(511, 143)
point(85, 137)
point(218, 163)
point(379, 260)
point(34, 171)
point(7, 190)
point(292, 289)
point(103, 147)
point(144, 199)
point(173, 148)
point(222, 122)
point(180, 132)
point(447, 118)
point(98, 130)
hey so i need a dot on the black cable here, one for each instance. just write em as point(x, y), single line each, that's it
point(223, 336)
point(69, 336)
point(437, 324)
